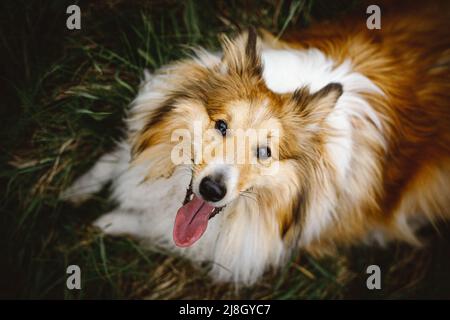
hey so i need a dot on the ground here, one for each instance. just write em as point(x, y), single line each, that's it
point(64, 94)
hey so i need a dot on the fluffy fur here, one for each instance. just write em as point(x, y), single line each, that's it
point(363, 152)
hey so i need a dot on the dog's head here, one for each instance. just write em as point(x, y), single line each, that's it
point(241, 141)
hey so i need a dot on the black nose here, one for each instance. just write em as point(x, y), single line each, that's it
point(212, 190)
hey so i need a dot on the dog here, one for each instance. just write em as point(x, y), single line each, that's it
point(356, 145)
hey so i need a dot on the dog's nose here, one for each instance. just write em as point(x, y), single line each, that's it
point(212, 190)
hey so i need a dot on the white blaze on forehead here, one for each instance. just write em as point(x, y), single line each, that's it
point(249, 114)
point(260, 112)
point(243, 115)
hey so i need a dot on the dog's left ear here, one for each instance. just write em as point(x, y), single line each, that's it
point(242, 55)
point(315, 107)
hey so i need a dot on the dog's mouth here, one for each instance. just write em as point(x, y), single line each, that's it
point(192, 219)
point(190, 196)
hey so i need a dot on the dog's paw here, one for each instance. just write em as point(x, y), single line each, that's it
point(118, 223)
point(81, 190)
point(72, 196)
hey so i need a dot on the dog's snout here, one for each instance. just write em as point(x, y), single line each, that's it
point(212, 190)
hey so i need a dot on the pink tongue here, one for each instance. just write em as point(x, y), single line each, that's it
point(191, 222)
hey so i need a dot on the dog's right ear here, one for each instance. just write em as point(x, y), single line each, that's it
point(316, 107)
point(242, 56)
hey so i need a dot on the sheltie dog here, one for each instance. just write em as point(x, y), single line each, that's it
point(355, 145)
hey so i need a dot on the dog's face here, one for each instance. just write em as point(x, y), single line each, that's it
point(239, 147)
point(245, 142)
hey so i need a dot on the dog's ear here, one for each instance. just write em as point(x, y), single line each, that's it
point(315, 107)
point(242, 55)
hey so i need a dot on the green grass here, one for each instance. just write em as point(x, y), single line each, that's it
point(65, 95)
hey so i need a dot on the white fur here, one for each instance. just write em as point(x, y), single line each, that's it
point(237, 247)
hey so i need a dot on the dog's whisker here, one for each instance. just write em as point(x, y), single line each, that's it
point(249, 197)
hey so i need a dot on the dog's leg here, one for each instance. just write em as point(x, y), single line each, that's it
point(119, 222)
point(91, 182)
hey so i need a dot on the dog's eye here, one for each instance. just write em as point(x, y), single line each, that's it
point(222, 127)
point(263, 153)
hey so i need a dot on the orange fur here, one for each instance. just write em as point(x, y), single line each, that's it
point(409, 59)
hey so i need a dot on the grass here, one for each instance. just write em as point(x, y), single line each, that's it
point(65, 95)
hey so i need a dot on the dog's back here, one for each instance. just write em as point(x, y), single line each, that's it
point(409, 60)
